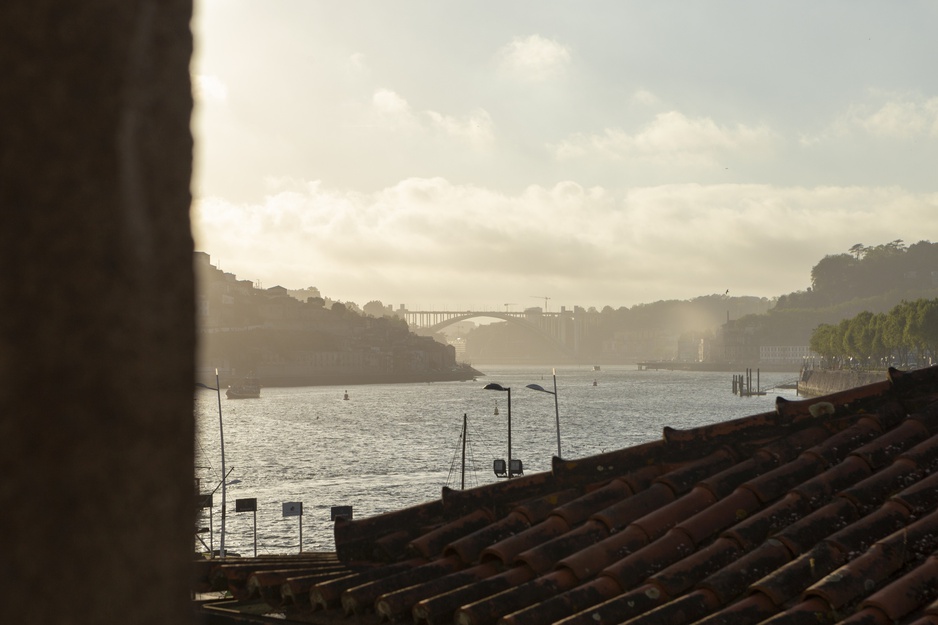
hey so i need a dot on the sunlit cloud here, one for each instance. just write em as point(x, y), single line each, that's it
point(644, 97)
point(902, 119)
point(208, 87)
point(356, 63)
point(427, 239)
point(391, 111)
point(388, 103)
point(671, 138)
point(533, 58)
point(476, 129)
point(885, 116)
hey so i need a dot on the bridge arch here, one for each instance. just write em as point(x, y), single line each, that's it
point(435, 321)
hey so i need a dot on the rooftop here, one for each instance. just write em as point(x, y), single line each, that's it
point(822, 511)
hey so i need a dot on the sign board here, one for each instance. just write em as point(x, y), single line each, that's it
point(246, 505)
point(293, 508)
point(341, 511)
point(203, 501)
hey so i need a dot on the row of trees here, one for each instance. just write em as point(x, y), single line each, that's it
point(908, 333)
point(866, 272)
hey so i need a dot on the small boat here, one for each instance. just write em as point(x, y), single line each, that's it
point(596, 368)
point(245, 388)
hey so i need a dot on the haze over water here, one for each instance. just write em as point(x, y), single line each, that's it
point(392, 446)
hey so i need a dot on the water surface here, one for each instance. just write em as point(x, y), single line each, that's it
point(391, 446)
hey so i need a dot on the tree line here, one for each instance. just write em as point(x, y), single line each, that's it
point(905, 336)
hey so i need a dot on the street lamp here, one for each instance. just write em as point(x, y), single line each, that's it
point(538, 387)
point(498, 387)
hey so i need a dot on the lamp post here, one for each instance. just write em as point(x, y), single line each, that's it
point(498, 387)
point(224, 474)
point(538, 387)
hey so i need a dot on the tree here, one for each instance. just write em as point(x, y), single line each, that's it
point(927, 321)
point(858, 339)
point(857, 250)
point(828, 340)
point(833, 276)
point(375, 308)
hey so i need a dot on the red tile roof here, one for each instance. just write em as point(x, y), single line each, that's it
point(824, 510)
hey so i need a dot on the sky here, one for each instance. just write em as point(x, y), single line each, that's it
point(506, 154)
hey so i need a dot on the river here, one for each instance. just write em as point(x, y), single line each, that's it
point(390, 446)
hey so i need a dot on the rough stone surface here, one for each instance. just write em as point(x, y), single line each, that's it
point(97, 314)
point(824, 382)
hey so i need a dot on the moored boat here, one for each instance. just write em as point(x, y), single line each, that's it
point(245, 388)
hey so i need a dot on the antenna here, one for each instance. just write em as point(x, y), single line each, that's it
point(543, 297)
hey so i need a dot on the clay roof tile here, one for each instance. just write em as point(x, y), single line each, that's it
point(822, 509)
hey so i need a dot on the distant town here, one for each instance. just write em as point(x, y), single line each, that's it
point(298, 337)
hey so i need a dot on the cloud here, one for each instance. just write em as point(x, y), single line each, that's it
point(475, 129)
point(883, 116)
point(209, 87)
point(901, 119)
point(392, 108)
point(533, 58)
point(671, 138)
point(356, 63)
point(427, 240)
point(644, 97)
point(392, 111)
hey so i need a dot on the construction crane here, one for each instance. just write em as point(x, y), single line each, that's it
point(543, 297)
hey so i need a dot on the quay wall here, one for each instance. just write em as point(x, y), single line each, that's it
point(815, 382)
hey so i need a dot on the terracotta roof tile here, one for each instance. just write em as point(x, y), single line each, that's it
point(564, 604)
point(396, 604)
point(684, 574)
point(789, 581)
point(469, 548)
point(440, 608)
point(809, 611)
point(824, 510)
point(860, 576)
point(433, 542)
point(755, 608)
point(908, 594)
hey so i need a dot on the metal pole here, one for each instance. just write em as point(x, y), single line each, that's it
point(255, 531)
point(509, 432)
point(557, 411)
point(301, 530)
point(465, 417)
point(221, 432)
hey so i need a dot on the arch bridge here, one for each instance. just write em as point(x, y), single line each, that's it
point(557, 329)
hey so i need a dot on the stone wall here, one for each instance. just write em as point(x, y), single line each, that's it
point(817, 382)
point(97, 315)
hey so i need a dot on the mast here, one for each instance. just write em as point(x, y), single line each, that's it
point(224, 475)
point(464, 419)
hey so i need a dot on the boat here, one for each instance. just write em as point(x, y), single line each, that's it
point(245, 388)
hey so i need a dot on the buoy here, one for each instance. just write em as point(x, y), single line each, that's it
point(594, 382)
point(496, 408)
point(346, 395)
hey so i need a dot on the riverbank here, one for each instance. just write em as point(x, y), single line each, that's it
point(816, 382)
point(673, 365)
point(353, 378)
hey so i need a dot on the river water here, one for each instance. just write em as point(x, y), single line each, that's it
point(390, 446)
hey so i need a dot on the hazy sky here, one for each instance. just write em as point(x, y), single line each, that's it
point(469, 154)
